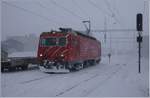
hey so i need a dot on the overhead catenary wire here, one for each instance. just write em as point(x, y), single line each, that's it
point(47, 8)
point(108, 6)
point(116, 9)
point(28, 11)
point(111, 10)
point(47, 18)
point(99, 8)
point(44, 7)
point(78, 6)
point(104, 12)
point(41, 5)
point(117, 12)
point(67, 10)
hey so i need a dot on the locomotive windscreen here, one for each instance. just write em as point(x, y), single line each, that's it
point(60, 41)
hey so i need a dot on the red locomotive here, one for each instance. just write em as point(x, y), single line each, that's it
point(66, 50)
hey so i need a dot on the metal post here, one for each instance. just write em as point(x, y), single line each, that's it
point(105, 28)
point(139, 27)
point(89, 26)
point(139, 40)
point(139, 53)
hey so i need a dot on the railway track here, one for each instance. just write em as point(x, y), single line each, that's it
point(108, 76)
point(50, 75)
point(73, 80)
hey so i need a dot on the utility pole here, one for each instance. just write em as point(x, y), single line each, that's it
point(105, 28)
point(110, 53)
point(139, 40)
point(89, 26)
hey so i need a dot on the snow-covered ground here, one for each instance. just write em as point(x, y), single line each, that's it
point(119, 78)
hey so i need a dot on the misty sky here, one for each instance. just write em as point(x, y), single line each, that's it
point(21, 17)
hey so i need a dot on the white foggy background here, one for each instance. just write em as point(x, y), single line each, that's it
point(21, 30)
point(24, 20)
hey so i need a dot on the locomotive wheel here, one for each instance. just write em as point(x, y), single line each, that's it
point(79, 66)
point(25, 67)
point(86, 64)
point(92, 62)
point(2, 69)
point(12, 69)
point(97, 61)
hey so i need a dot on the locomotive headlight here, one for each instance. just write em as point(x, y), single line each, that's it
point(62, 55)
point(41, 55)
point(53, 32)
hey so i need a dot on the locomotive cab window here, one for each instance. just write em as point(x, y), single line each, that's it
point(53, 41)
point(48, 41)
point(62, 41)
point(42, 42)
